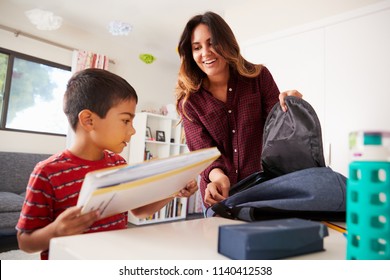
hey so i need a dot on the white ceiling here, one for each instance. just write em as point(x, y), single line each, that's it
point(157, 24)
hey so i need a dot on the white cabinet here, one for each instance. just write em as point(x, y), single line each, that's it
point(146, 144)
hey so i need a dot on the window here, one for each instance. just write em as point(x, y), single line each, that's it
point(31, 92)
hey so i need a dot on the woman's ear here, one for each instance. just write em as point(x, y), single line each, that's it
point(86, 119)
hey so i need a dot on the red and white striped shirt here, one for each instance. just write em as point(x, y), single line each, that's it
point(54, 186)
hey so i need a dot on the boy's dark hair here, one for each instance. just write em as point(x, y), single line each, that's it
point(96, 90)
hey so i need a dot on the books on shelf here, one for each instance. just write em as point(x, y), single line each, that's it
point(195, 203)
point(172, 211)
point(122, 188)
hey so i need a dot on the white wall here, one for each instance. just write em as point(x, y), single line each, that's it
point(340, 64)
point(261, 17)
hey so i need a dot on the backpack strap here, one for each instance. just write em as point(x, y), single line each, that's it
point(248, 182)
point(251, 214)
point(233, 213)
point(219, 209)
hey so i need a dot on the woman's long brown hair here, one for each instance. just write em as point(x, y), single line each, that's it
point(225, 44)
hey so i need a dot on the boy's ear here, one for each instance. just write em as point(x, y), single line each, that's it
point(86, 119)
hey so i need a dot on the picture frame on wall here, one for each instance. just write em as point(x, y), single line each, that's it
point(148, 134)
point(160, 135)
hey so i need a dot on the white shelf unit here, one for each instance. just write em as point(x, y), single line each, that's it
point(139, 144)
point(173, 137)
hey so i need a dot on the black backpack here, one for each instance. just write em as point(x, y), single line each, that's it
point(292, 140)
point(295, 181)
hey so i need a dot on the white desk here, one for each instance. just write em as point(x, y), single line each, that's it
point(182, 240)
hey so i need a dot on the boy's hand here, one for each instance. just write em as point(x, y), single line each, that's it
point(71, 221)
point(188, 190)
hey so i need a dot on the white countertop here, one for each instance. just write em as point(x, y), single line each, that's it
point(182, 240)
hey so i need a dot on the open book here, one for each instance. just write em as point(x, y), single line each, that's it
point(118, 189)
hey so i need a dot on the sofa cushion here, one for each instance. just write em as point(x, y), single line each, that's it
point(10, 202)
point(15, 170)
point(8, 221)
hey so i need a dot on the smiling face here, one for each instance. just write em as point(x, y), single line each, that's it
point(114, 131)
point(204, 54)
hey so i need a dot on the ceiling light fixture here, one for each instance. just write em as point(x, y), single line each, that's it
point(44, 20)
point(119, 28)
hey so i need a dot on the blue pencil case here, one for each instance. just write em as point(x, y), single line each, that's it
point(272, 239)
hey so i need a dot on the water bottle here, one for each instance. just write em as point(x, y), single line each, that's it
point(368, 196)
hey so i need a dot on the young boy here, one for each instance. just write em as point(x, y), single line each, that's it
point(100, 107)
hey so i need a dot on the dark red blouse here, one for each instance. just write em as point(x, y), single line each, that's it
point(234, 127)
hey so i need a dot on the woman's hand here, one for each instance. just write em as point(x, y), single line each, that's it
point(283, 95)
point(218, 189)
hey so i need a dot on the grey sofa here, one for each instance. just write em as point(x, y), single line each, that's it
point(15, 170)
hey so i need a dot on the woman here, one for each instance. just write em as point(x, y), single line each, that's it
point(224, 101)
